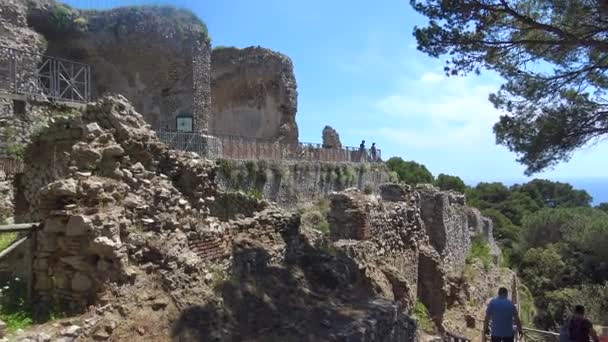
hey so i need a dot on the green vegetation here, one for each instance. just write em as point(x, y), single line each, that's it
point(527, 308)
point(61, 17)
point(13, 148)
point(447, 182)
point(549, 233)
point(315, 217)
point(421, 314)
point(553, 110)
point(255, 193)
point(6, 239)
point(480, 250)
point(409, 172)
point(14, 310)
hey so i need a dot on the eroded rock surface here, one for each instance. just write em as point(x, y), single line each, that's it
point(128, 228)
point(331, 138)
point(120, 45)
point(254, 94)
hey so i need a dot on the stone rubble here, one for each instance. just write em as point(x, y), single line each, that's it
point(129, 232)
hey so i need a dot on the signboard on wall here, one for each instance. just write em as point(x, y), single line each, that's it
point(184, 122)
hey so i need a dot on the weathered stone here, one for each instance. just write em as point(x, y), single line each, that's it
point(394, 192)
point(113, 151)
point(71, 331)
point(55, 225)
point(78, 262)
point(254, 94)
point(104, 246)
point(81, 282)
point(331, 138)
point(94, 129)
point(42, 282)
point(86, 158)
point(61, 188)
point(78, 225)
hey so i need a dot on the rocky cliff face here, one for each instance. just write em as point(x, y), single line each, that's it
point(254, 94)
point(331, 138)
point(144, 53)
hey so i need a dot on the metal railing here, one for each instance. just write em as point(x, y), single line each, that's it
point(242, 148)
point(28, 233)
point(27, 73)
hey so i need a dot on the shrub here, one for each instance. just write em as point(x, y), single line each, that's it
point(421, 314)
point(14, 310)
point(61, 17)
point(6, 239)
point(368, 190)
point(255, 193)
point(480, 250)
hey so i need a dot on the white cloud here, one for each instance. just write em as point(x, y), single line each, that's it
point(436, 112)
point(431, 77)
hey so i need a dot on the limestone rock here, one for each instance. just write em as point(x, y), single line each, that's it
point(254, 94)
point(81, 283)
point(331, 138)
point(61, 188)
point(71, 331)
point(78, 225)
point(394, 192)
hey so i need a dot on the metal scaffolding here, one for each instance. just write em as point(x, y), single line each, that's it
point(27, 73)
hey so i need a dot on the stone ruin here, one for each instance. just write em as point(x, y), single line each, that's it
point(254, 94)
point(129, 227)
point(132, 229)
point(331, 138)
point(253, 89)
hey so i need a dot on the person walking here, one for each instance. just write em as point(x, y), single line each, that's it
point(502, 313)
point(578, 328)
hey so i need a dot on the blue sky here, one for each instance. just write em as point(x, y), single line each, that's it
point(358, 70)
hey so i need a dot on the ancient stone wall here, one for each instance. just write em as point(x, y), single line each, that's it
point(128, 222)
point(157, 57)
point(6, 197)
point(289, 183)
point(254, 94)
point(369, 229)
point(446, 221)
point(483, 227)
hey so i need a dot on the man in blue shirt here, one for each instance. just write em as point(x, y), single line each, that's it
point(502, 313)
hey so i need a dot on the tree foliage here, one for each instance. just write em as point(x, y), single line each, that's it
point(553, 56)
point(555, 194)
point(447, 182)
point(550, 233)
point(564, 258)
point(410, 172)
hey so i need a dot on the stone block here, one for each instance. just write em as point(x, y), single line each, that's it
point(42, 281)
point(392, 192)
point(78, 225)
point(79, 263)
point(55, 225)
point(81, 282)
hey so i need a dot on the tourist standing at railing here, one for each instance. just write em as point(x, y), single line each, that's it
point(362, 154)
point(502, 313)
point(373, 152)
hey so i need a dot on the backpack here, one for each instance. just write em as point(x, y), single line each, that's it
point(564, 332)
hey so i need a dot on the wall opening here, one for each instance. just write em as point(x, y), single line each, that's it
point(18, 107)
